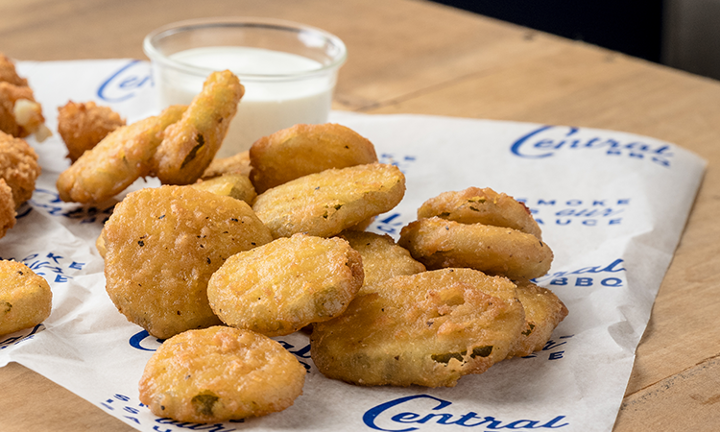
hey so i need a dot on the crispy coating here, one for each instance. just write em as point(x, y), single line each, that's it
point(20, 114)
point(428, 329)
point(163, 244)
point(83, 125)
point(219, 374)
point(18, 167)
point(281, 287)
point(25, 298)
point(543, 312)
point(382, 258)
point(236, 186)
point(7, 208)
point(326, 203)
point(306, 149)
point(440, 243)
point(190, 145)
point(9, 74)
point(236, 164)
point(485, 206)
point(117, 161)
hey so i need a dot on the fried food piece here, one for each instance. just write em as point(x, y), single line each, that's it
point(18, 167)
point(117, 161)
point(382, 258)
point(326, 203)
point(163, 244)
point(8, 73)
point(485, 206)
point(281, 287)
point(440, 243)
point(83, 125)
point(543, 312)
point(190, 145)
point(218, 374)
point(306, 149)
point(236, 164)
point(236, 186)
point(428, 329)
point(7, 208)
point(25, 298)
point(20, 114)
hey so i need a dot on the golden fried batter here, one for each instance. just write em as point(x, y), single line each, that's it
point(236, 164)
point(190, 145)
point(306, 149)
point(326, 203)
point(117, 161)
point(440, 243)
point(9, 74)
point(83, 125)
point(426, 329)
point(19, 167)
point(25, 298)
point(281, 287)
point(20, 114)
point(382, 258)
point(543, 312)
point(485, 206)
point(220, 374)
point(7, 208)
point(236, 186)
point(163, 244)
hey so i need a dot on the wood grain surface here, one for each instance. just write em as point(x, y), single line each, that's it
point(418, 57)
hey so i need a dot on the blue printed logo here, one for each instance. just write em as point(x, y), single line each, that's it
point(547, 141)
point(586, 276)
point(124, 83)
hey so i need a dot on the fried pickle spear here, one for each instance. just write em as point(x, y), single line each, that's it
point(427, 329)
point(83, 125)
point(543, 312)
point(190, 145)
point(117, 161)
point(326, 203)
point(306, 149)
point(219, 374)
point(25, 298)
point(281, 287)
point(161, 247)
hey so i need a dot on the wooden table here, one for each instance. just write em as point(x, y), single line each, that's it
point(418, 57)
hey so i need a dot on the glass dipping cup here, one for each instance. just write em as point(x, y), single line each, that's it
point(289, 70)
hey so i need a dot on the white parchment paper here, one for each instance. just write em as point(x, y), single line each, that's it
point(601, 198)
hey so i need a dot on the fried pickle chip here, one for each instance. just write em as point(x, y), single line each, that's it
point(190, 145)
point(485, 206)
point(236, 164)
point(236, 186)
point(326, 203)
point(427, 329)
point(162, 244)
point(281, 287)
point(25, 298)
point(117, 161)
point(83, 125)
point(306, 149)
point(440, 243)
point(382, 258)
point(219, 374)
point(543, 312)
point(19, 167)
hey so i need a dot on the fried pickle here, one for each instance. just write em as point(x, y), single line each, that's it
point(190, 145)
point(236, 186)
point(25, 297)
point(326, 203)
point(236, 164)
point(18, 167)
point(306, 149)
point(219, 374)
point(83, 125)
point(543, 312)
point(440, 243)
point(117, 161)
point(281, 287)
point(161, 247)
point(427, 329)
point(485, 206)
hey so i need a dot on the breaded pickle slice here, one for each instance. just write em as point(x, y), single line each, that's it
point(427, 329)
point(281, 287)
point(306, 149)
point(382, 258)
point(543, 312)
point(326, 203)
point(485, 206)
point(161, 246)
point(236, 186)
point(440, 243)
point(219, 374)
point(25, 297)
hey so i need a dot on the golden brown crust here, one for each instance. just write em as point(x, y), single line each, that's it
point(543, 312)
point(7, 208)
point(83, 125)
point(9, 95)
point(18, 167)
point(236, 164)
point(8, 73)
point(25, 298)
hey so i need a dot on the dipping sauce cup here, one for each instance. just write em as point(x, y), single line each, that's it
point(289, 70)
